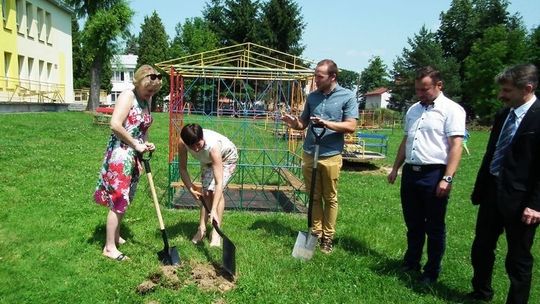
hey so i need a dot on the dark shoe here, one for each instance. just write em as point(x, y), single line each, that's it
point(326, 245)
point(410, 268)
point(478, 296)
point(427, 280)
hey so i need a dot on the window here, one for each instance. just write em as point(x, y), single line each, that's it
point(49, 70)
point(21, 67)
point(118, 76)
point(40, 24)
point(30, 67)
point(4, 11)
point(29, 20)
point(48, 21)
point(7, 63)
point(20, 16)
point(41, 74)
point(114, 96)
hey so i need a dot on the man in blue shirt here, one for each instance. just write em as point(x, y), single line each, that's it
point(335, 108)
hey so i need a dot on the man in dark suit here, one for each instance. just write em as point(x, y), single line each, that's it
point(507, 187)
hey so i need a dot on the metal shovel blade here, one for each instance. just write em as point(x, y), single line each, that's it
point(229, 249)
point(304, 246)
point(169, 256)
point(229, 257)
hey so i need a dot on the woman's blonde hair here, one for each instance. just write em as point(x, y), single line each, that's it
point(140, 79)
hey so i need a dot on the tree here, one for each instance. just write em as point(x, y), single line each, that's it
point(374, 76)
point(348, 79)
point(214, 15)
point(154, 48)
point(467, 20)
point(534, 47)
point(457, 30)
point(132, 44)
point(464, 24)
point(153, 41)
point(497, 49)
point(105, 22)
point(81, 62)
point(282, 26)
point(195, 36)
point(80, 78)
point(489, 13)
point(242, 23)
point(424, 50)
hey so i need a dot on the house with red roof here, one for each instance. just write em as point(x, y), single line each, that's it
point(378, 98)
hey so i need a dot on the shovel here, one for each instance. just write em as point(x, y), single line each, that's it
point(306, 241)
point(229, 250)
point(169, 255)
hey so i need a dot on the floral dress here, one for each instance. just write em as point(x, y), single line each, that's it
point(121, 167)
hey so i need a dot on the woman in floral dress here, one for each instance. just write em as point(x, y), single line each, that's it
point(121, 167)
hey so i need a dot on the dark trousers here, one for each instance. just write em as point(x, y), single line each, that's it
point(424, 214)
point(490, 224)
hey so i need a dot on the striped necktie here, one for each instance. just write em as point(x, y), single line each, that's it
point(504, 142)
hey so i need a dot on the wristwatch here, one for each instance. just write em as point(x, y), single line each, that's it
point(448, 178)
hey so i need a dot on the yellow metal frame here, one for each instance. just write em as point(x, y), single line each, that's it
point(242, 61)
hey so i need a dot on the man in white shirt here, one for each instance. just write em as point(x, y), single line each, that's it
point(431, 150)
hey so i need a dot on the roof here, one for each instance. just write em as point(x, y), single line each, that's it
point(377, 91)
point(63, 6)
point(241, 61)
point(128, 61)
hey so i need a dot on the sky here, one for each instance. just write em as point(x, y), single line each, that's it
point(348, 31)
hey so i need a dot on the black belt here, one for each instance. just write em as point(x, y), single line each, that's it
point(424, 168)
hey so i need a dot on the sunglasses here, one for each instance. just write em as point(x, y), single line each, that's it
point(154, 76)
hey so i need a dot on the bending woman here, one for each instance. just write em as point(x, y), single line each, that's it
point(121, 167)
point(218, 157)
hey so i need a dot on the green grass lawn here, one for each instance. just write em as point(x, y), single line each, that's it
point(52, 233)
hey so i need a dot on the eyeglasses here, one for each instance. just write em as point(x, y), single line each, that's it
point(154, 76)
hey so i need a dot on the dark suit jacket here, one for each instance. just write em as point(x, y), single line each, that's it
point(518, 185)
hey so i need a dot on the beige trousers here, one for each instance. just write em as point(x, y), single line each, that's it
point(325, 204)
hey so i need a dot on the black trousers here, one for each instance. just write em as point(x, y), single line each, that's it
point(424, 215)
point(490, 224)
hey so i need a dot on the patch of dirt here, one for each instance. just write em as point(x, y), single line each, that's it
point(210, 278)
point(146, 287)
point(207, 277)
point(165, 276)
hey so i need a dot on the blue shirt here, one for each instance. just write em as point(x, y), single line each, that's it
point(339, 105)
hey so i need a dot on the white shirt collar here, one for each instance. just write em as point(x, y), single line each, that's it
point(521, 110)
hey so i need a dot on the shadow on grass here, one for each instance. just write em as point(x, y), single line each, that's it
point(385, 266)
point(359, 167)
point(274, 227)
point(184, 229)
point(358, 247)
point(99, 234)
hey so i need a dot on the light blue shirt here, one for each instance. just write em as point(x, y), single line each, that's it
point(520, 113)
point(339, 105)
